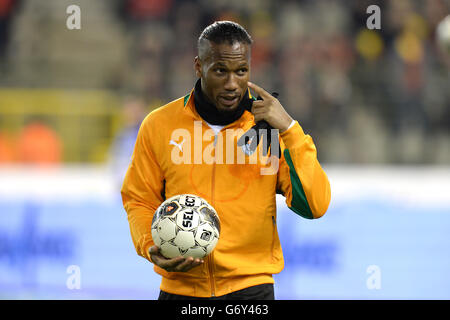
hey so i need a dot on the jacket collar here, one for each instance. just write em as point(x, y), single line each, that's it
point(189, 107)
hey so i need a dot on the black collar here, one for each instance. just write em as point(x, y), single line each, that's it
point(209, 112)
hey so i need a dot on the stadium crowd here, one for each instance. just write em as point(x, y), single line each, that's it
point(366, 96)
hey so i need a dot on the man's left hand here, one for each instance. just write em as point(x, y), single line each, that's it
point(269, 109)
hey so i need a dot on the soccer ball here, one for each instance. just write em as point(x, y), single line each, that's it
point(185, 225)
point(443, 34)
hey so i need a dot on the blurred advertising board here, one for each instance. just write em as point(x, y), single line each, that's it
point(64, 235)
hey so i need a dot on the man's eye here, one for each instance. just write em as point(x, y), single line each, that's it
point(220, 70)
point(242, 71)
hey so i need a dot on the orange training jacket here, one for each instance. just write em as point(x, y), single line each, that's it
point(176, 152)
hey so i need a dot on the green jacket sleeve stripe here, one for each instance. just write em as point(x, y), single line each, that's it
point(186, 98)
point(299, 203)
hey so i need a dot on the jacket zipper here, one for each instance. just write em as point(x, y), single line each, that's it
point(211, 255)
point(211, 274)
point(213, 187)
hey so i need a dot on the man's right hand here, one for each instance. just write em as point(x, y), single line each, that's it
point(178, 264)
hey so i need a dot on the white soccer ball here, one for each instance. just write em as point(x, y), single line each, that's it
point(443, 34)
point(185, 225)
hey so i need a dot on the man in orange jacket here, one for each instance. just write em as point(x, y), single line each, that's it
point(191, 146)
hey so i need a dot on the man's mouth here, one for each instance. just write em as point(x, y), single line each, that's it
point(228, 100)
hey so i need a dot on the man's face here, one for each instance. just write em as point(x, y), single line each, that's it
point(224, 70)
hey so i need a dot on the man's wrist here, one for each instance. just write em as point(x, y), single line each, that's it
point(290, 126)
point(293, 137)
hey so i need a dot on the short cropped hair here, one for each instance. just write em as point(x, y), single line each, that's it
point(224, 31)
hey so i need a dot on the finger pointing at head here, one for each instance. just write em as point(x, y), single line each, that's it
point(260, 91)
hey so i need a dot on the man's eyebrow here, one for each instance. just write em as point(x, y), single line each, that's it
point(221, 64)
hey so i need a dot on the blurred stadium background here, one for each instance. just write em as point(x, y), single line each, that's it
point(377, 103)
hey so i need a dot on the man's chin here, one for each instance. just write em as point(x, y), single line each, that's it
point(227, 109)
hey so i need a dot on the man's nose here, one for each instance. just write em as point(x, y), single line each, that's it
point(231, 83)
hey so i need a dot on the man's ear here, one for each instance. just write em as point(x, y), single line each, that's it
point(197, 67)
